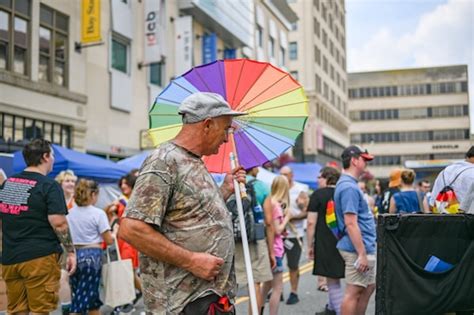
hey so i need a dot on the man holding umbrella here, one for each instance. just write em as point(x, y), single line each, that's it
point(177, 216)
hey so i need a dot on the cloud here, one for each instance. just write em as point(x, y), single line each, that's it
point(443, 36)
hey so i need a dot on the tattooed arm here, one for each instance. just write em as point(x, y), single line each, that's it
point(59, 224)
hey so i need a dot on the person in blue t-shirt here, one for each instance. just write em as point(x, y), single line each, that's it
point(357, 245)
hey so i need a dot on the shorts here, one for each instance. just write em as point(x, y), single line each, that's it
point(355, 277)
point(262, 271)
point(293, 252)
point(33, 285)
point(279, 265)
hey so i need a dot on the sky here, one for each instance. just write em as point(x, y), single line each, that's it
point(393, 34)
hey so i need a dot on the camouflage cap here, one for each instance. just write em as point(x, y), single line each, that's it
point(202, 105)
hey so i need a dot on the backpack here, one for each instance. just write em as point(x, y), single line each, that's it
point(331, 220)
point(446, 200)
point(253, 216)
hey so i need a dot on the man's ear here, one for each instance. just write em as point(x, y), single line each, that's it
point(207, 124)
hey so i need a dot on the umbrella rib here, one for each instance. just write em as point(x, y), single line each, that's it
point(270, 135)
point(244, 141)
point(190, 92)
point(165, 99)
point(261, 73)
point(270, 86)
point(275, 107)
point(266, 133)
point(220, 65)
point(200, 78)
point(277, 126)
point(238, 81)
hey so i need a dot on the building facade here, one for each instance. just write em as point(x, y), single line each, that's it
point(410, 115)
point(317, 53)
point(95, 97)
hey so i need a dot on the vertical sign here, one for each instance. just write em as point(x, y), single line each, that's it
point(230, 53)
point(184, 44)
point(155, 18)
point(90, 22)
point(209, 48)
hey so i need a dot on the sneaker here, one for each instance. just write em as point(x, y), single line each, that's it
point(292, 299)
point(137, 297)
point(326, 311)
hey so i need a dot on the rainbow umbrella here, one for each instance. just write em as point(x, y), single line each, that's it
point(275, 103)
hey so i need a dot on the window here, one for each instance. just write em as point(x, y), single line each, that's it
point(325, 39)
point(317, 55)
point(326, 91)
point(318, 83)
point(15, 35)
point(316, 4)
point(317, 27)
point(119, 55)
point(156, 73)
point(325, 64)
point(293, 50)
point(294, 26)
point(271, 47)
point(260, 36)
point(294, 74)
point(53, 46)
point(282, 56)
point(324, 12)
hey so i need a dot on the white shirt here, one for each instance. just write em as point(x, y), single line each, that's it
point(460, 186)
point(298, 224)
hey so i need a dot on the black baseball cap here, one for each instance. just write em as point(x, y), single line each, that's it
point(470, 152)
point(355, 150)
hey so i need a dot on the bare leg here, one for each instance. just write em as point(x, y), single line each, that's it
point(364, 299)
point(294, 279)
point(260, 298)
point(277, 288)
point(351, 299)
point(94, 312)
point(137, 282)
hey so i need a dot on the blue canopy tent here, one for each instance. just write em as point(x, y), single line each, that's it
point(306, 173)
point(134, 161)
point(6, 163)
point(82, 164)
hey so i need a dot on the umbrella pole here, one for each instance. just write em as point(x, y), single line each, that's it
point(245, 244)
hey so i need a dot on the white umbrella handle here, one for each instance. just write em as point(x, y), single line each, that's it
point(245, 244)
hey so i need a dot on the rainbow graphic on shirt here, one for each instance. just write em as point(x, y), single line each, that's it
point(331, 220)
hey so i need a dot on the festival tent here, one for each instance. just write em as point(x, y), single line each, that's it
point(6, 163)
point(134, 161)
point(306, 173)
point(267, 177)
point(82, 164)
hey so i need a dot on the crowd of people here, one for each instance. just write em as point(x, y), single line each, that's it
point(178, 227)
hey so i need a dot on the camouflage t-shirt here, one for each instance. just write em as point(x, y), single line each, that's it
point(176, 195)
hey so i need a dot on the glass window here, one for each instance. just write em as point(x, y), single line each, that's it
point(317, 27)
point(294, 74)
point(53, 46)
point(271, 47)
point(293, 47)
point(294, 26)
point(282, 56)
point(260, 36)
point(325, 64)
point(119, 56)
point(318, 84)
point(317, 55)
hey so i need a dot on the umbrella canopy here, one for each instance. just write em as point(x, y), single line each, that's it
point(275, 103)
point(82, 164)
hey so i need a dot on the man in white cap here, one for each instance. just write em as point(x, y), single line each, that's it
point(177, 216)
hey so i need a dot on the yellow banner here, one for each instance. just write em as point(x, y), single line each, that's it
point(90, 28)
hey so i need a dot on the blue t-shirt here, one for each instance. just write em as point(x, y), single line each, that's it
point(407, 201)
point(348, 198)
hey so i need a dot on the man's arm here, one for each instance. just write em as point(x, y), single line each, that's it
point(352, 228)
point(154, 244)
point(302, 201)
point(59, 224)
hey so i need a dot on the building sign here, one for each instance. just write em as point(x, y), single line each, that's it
point(184, 44)
point(445, 146)
point(209, 48)
point(230, 53)
point(90, 23)
point(155, 23)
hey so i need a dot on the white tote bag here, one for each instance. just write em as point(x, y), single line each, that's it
point(119, 288)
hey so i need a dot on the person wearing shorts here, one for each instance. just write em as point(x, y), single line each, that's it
point(356, 222)
point(33, 213)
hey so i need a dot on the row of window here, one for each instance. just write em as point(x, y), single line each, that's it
point(271, 47)
point(329, 118)
point(411, 136)
point(407, 90)
point(15, 44)
point(329, 94)
point(332, 148)
point(411, 113)
point(16, 130)
point(328, 17)
point(387, 160)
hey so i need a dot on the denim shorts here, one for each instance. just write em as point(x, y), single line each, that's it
point(279, 265)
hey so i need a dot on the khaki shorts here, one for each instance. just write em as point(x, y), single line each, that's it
point(260, 262)
point(33, 286)
point(355, 277)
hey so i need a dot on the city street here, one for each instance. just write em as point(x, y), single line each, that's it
point(311, 300)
